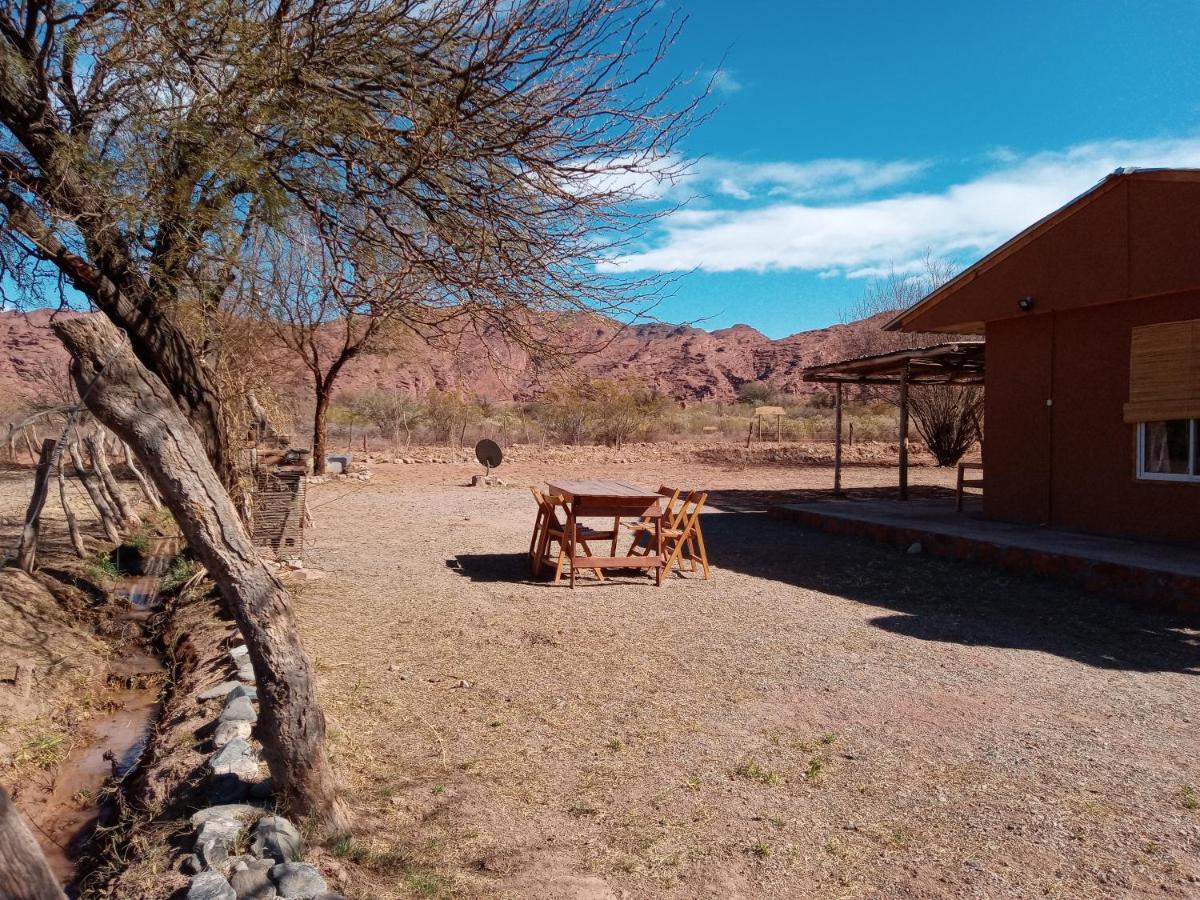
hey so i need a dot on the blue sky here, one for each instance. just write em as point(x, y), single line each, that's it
point(852, 138)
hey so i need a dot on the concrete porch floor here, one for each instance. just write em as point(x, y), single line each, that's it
point(1166, 575)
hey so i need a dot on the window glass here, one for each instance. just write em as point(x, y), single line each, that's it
point(1167, 447)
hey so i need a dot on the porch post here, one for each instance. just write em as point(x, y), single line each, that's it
point(837, 443)
point(904, 434)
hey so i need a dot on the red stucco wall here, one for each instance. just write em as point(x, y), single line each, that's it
point(1073, 464)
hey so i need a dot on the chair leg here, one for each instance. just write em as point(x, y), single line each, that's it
point(538, 551)
point(543, 549)
point(588, 551)
point(703, 551)
point(562, 558)
point(674, 558)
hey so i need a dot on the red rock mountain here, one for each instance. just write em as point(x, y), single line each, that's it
point(681, 361)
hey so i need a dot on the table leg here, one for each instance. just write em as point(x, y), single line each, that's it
point(571, 535)
point(658, 549)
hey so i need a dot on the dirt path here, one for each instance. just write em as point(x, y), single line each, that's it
point(824, 718)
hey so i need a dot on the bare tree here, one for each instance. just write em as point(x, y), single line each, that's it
point(948, 417)
point(492, 149)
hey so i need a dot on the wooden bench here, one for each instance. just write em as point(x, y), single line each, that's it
point(964, 482)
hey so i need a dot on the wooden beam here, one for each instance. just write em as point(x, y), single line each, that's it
point(837, 443)
point(904, 436)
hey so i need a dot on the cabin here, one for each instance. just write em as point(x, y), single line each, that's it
point(1092, 323)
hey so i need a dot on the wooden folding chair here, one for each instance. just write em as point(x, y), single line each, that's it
point(644, 528)
point(685, 534)
point(550, 528)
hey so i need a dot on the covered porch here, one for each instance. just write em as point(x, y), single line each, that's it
point(953, 363)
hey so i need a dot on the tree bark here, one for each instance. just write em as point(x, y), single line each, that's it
point(27, 549)
point(147, 491)
point(108, 518)
point(24, 873)
point(95, 445)
point(320, 430)
point(138, 406)
point(69, 511)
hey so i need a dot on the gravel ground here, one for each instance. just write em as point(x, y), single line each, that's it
point(825, 717)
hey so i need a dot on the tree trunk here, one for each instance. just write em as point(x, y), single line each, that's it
point(320, 431)
point(135, 404)
point(108, 518)
point(27, 549)
point(147, 491)
point(95, 444)
point(24, 873)
point(69, 511)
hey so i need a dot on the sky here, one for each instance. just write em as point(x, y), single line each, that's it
point(851, 140)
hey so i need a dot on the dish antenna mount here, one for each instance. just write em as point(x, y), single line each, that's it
point(489, 454)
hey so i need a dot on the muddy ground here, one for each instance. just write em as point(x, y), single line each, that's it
point(825, 717)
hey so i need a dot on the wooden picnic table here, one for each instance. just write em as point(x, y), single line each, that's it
point(616, 500)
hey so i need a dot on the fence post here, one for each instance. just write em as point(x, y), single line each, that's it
point(27, 550)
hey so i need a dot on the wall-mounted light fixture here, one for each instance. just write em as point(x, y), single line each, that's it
point(1025, 303)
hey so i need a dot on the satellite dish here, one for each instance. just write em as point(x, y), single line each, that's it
point(489, 453)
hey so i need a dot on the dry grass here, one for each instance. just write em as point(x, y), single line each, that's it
point(824, 718)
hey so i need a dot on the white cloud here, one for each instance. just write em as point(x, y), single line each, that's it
point(866, 235)
point(724, 82)
point(821, 179)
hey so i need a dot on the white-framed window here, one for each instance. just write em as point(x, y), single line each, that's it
point(1169, 451)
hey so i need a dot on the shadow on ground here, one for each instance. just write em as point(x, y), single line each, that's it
point(944, 600)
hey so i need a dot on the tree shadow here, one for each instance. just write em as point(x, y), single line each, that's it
point(951, 601)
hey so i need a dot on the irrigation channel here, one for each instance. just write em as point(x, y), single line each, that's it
point(82, 797)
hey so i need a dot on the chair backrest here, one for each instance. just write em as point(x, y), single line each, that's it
point(670, 512)
point(555, 502)
point(690, 511)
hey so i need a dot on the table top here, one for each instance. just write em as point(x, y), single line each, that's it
point(594, 490)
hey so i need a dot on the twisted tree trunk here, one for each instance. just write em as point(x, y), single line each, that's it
point(133, 402)
point(24, 873)
point(99, 454)
point(108, 518)
point(69, 510)
point(148, 492)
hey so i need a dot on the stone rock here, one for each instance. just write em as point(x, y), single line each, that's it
point(329, 895)
point(220, 690)
point(191, 865)
point(210, 886)
point(214, 837)
point(213, 855)
point(244, 690)
point(218, 830)
point(240, 709)
point(238, 652)
point(306, 575)
point(252, 880)
point(914, 549)
point(230, 731)
point(237, 812)
point(245, 673)
point(276, 838)
point(298, 881)
point(235, 758)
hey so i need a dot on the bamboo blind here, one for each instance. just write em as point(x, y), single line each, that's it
point(1164, 372)
point(279, 512)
